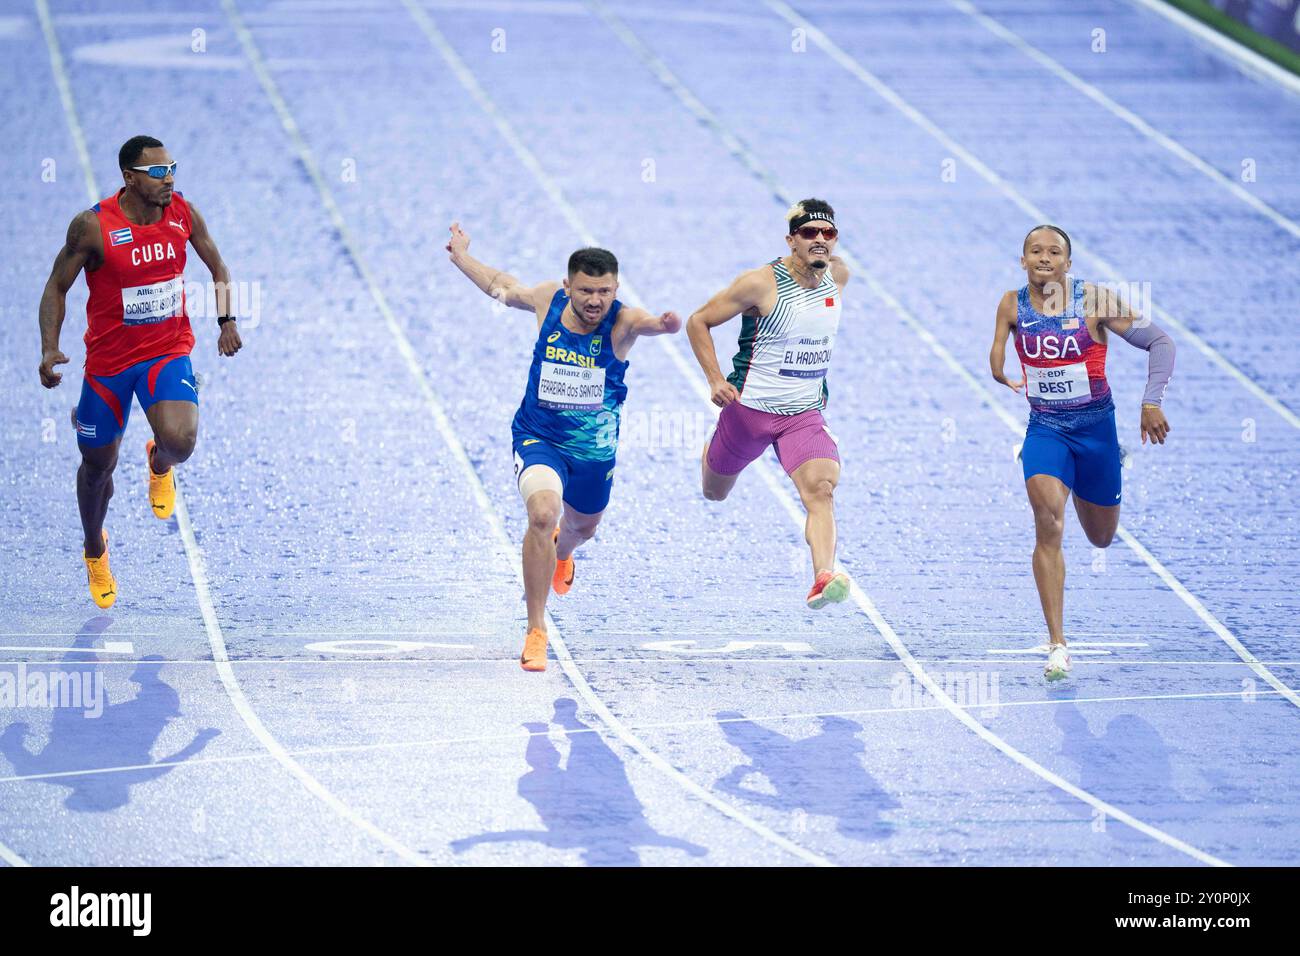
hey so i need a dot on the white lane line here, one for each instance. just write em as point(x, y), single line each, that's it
point(1076, 647)
point(195, 556)
point(332, 647)
point(362, 749)
point(443, 425)
point(987, 396)
point(1244, 59)
point(79, 142)
point(338, 635)
point(1210, 620)
point(111, 647)
point(1128, 116)
point(887, 93)
point(674, 660)
point(1042, 650)
point(764, 469)
point(860, 598)
point(12, 858)
point(72, 633)
point(65, 92)
point(1109, 644)
point(471, 85)
point(221, 660)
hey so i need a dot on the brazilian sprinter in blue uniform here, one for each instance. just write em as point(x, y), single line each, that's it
point(565, 433)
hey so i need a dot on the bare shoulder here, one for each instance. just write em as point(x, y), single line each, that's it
point(839, 271)
point(630, 319)
point(83, 232)
point(751, 292)
point(760, 276)
point(631, 313)
point(198, 226)
point(1103, 302)
point(543, 292)
point(1005, 323)
point(752, 284)
point(541, 295)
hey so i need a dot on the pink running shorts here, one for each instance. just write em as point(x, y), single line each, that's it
point(744, 433)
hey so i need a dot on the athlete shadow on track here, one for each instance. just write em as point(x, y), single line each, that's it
point(122, 735)
point(821, 775)
point(588, 805)
point(1128, 758)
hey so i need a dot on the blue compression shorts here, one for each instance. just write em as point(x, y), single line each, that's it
point(105, 405)
point(586, 483)
point(1085, 458)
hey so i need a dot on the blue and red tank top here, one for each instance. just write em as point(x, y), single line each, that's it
point(136, 309)
point(575, 392)
point(1065, 368)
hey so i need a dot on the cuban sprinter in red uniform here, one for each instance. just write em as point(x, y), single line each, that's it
point(138, 336)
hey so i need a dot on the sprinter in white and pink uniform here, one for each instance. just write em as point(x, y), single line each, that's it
point(790, 311)
point(1062, 326)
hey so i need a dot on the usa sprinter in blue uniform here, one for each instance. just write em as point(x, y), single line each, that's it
point(565, 434)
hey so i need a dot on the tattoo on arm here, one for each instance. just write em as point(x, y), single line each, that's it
point(76, 229)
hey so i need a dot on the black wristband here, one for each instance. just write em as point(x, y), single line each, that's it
point(223, 319)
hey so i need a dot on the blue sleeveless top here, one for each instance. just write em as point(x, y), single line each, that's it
point(575, 389)
point(1065, 368)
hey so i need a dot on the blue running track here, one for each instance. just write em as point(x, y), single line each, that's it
point(314, 662)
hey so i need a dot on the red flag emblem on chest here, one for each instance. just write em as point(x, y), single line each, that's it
point(830, 303)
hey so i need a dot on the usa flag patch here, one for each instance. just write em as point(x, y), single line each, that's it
point(120, 237)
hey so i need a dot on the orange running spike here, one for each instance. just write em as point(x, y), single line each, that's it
point(534, 656)
point(103, 586)
point(562, 579)
point(162, 488)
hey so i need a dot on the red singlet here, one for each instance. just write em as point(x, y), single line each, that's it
point(137, 309)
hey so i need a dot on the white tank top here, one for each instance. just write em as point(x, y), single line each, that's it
point(781, 363)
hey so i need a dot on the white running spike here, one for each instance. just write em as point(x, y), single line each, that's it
point(1058, 663)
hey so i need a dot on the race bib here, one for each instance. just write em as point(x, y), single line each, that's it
point(571, 387)
point(1060, 384)
point(807, 356)
point(147, 304)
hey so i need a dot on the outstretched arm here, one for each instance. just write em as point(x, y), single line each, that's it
point(228, 340)
point(502, 286)
point(1004, 325)
point(635, 322)
point(77, 251)
point(747, 292)
point(1144, 334)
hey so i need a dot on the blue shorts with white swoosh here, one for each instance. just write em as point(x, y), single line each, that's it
point(1084, 457)
point(105, 405)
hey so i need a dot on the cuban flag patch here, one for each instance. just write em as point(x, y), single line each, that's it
point(120, 237)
